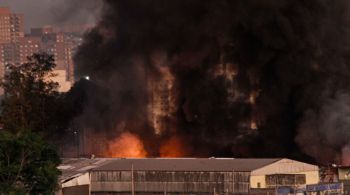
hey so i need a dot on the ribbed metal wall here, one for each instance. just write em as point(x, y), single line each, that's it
point(168, 182)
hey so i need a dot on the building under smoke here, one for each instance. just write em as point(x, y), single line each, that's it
point(249, 78)
point(161, 99)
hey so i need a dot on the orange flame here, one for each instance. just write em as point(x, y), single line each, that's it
point(173, 148)
point(127, 145)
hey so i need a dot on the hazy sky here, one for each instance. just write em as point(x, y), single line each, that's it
point(54, 12)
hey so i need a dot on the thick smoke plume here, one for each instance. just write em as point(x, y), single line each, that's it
point(74, 11)
point(284, 90)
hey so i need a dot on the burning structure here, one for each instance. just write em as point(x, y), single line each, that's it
point(224, 78)
point(161, 101)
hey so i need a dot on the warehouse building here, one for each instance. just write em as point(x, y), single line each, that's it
point(194, 176)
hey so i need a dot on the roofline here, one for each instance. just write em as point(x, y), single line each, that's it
point(100, 168)
point(284, 159)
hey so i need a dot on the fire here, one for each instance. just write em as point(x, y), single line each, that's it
point(127, 145)
point(173, 147)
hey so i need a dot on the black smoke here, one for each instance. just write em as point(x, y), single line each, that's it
point(292, 53)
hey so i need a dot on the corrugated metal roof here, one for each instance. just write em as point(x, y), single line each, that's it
point(185, 164)
point(73, 167)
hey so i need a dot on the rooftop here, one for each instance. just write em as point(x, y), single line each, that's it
point(185, 164)
point(74, 167)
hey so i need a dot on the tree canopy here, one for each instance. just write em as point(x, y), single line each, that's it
point(31, 100)
point(31, 108)
point(27, 164)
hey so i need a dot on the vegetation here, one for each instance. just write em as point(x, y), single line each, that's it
point(31, 108)
point(27, 164)
point(31, 100)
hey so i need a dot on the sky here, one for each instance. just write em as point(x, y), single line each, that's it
point(54, 12)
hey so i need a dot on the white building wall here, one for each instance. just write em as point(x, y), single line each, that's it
point(61, 78)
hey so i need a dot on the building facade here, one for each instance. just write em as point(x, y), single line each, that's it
point(146, 176)
point(285, 172)
point(161, 100)
point(16, 46)
point(11, 32)
point(11, 26)
point(60, 46)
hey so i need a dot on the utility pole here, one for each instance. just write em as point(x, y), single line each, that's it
point(132, 180)
point(276, 180)
point(233, 181)
point(295, 183)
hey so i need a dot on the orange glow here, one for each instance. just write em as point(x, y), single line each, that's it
point(127, 145)
point(162, 100)
point(345, 157)
point(253, 125)
point(173, 147)
point(252, 97)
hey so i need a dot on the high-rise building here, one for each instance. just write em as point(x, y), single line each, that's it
point(61, 44)
point(17, 27)
point(161, 100)
point(11, 34)
point(15, 46)
point(17, 52)
point(25, 47)
point(11, 26)
point(5, 26)
point(11, 31)
point(2, 63)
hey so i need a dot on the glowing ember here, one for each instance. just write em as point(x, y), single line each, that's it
point(253, 125)
point(127, 145)
point(252, 97)
point(173, 148)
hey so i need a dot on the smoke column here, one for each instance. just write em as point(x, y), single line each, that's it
point(289, 61)
point(58, 13)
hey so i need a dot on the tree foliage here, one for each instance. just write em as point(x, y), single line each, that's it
point(31, 101)
point(27, 164)
point(31, 107)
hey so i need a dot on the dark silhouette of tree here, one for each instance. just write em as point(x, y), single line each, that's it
point(28, 165)
point(31, 107)
point(31, 100)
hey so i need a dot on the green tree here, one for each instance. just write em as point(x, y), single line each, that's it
point(31, 106)
point(27, 164)
point(31, 101)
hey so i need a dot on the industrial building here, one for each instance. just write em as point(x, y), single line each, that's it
point(183, 176)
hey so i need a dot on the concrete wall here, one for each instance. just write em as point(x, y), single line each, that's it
point(312, 177)
point(61, 78)
point(254, 180)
